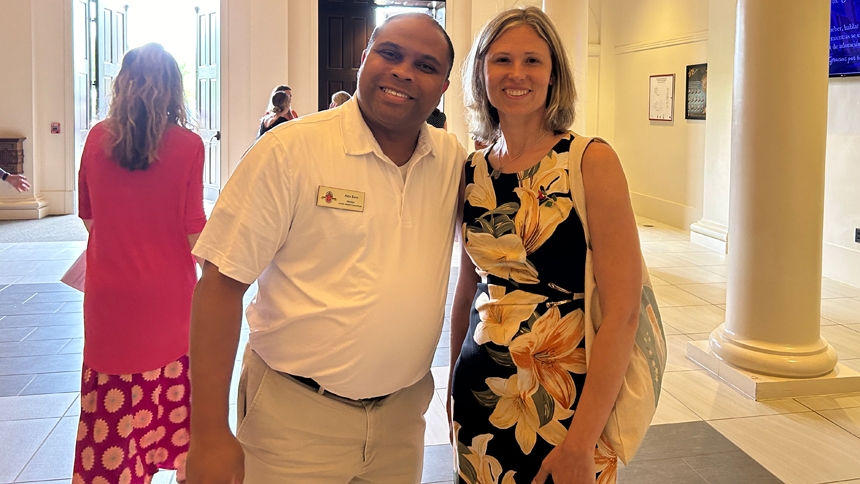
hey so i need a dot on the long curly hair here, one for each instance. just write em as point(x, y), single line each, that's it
point(561, 97)
point(147, 97)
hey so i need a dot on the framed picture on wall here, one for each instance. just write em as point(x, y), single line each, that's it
point(696, 105)
point(661, 97)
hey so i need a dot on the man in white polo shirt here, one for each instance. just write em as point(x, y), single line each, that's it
point(346, 220)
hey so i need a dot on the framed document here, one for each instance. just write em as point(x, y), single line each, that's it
point(661, 97)
point(696, 103)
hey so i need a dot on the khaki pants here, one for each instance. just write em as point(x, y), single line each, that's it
point(292, 434)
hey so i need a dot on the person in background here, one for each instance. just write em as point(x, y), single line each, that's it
point(280, 109)
point(18, 182)
point(520, 390)
point(141, 199)
point(438, 119)
point(339, 98)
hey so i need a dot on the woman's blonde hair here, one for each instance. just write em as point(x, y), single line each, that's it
point(561, 95)
point(146, 98)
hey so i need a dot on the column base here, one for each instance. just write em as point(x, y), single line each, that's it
point(841, 379)
point(23, 209)
point(761, 357)
point(711, 235)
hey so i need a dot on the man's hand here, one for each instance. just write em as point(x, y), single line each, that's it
point(215, 459)
point(19, 182)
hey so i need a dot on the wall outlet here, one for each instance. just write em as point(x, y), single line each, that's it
point(857, 235)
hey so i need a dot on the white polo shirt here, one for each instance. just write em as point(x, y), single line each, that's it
point(353, 299)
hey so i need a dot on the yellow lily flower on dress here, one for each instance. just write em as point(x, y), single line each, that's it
point(501, 314)
point(605, 461)
point(481, 193)
point(548, 354)
point(535, 222)
point(487, 468)
point(478, 459)
point(503, 257)
point(512, 409)
point(551, 175)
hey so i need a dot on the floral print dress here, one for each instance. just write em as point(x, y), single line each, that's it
point(522, 366)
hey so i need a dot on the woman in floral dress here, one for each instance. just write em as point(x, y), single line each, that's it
point(526, 407)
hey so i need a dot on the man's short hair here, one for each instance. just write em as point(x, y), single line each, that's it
point(417, 15)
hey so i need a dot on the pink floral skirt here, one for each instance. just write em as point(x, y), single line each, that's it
point(132, 425)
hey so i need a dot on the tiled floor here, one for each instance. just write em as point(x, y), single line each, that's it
point(704, 432)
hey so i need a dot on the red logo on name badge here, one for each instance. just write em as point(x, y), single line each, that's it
point(328, 197)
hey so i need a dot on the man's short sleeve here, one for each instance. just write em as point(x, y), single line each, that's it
point(251, 219)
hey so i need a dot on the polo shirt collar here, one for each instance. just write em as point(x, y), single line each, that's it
point(359, 140)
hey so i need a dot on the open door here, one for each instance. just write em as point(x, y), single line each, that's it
point(344, 28)
point(82, 49)
point(209, 94)
point(111, 45)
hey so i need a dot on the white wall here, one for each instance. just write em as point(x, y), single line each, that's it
point(841, 259)
point(36, 83)
point(663, 160)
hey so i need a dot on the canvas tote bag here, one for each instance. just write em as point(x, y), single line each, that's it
point(640, 391)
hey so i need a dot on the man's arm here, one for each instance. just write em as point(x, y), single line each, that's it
point(215, 455)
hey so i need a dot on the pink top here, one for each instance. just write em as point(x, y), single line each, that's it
point(140, 272)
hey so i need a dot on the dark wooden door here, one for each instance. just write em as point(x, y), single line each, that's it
point(344, 28)
point(208, 92)
point(111, 45)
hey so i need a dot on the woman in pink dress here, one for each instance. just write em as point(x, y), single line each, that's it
point(141, 199)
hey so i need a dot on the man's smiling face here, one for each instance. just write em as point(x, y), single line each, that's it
point(403, 74)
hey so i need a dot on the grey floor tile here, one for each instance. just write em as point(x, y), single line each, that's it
point(65, 331)
point(75, 408)
point(15, 297)
point(25, 254)
point(37, 288)
point(35, 406)
point(32, 347)
point(35, 308)
point(63, 296)
point(11, 385)
point(686, 439)
point(46, 383)
point(14, 334)
point(438, 463)
point(23, 365)
point(16, 268)
point(441, 357)
point(663, 471)
point(445, 339)
point(72, 307)
point(21, 439)
point(55, 457)
point(74, 346)
point(29, 320)
point(730, 469)
point(51, 266)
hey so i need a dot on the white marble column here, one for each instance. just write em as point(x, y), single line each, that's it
point(571, 20)
point(712, 230)
point(778, 134)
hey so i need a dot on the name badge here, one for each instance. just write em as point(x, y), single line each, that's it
point(340, 199)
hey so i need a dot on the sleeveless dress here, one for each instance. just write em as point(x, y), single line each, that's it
point(522, 366)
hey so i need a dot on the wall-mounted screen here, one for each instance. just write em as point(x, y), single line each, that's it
point(844, 38)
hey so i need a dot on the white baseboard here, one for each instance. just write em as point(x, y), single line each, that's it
point(710, 234)
point(665, 211)
point(841, 264)
point(24, 208)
